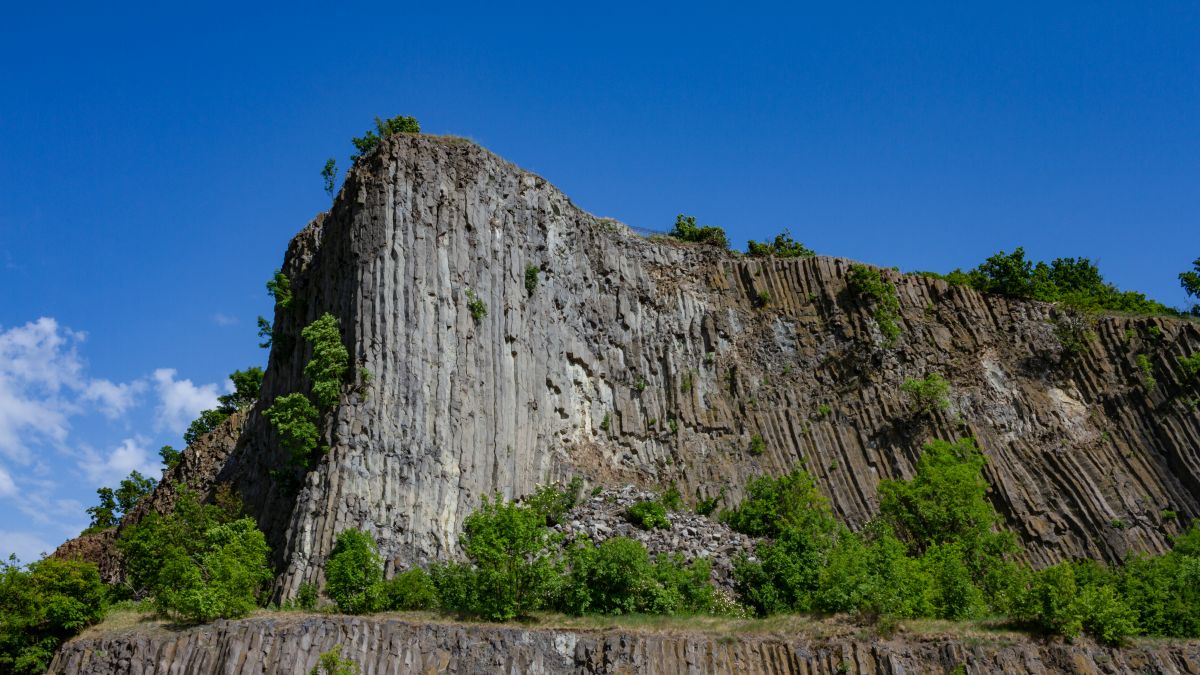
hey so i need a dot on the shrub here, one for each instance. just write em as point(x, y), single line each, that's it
point(247, 384)
point(531, 278)
point(783, 246)
point(774, 505)
point(1190, 280)
point(475, 306)
point(306, 597)
point(43, 605)
point(617, 577)
point(329, 176)
point(868, 285)
point(757, 445)
point(872, 575)
point(928, 394)
point(1146, 371)
point(456, 588)
point(204, 424)
point(170, 456)
point(280, 288)
point(686, 230)
point(708, 505)
point(1190, 365)
point(411, 590)
point(954, 594)
point(265, 331)
point(383, 129)
point(332, 663)
point(295, 422)
point(199, 562)
point(511, 549)
point(648, 515)
point(554, 503)
point(1073, 328)
point(330, 360)
point(354, 573)
point(1049, 604)
point(1104, 615)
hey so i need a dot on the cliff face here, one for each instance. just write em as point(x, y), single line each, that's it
point(647, 361)
point(292, 645)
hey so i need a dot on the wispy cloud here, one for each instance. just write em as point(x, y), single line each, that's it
point(114, 399)
point(109, 468)
point(224, 319)
point(28, 547)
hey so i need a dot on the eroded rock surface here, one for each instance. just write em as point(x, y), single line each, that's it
point(291, 645)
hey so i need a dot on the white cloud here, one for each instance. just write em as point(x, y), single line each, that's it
point(180, 400)
point(37, 363)
point(7, 487)
point(109, 469)
point(224, 319)
point(28, 547)
point(114, 399)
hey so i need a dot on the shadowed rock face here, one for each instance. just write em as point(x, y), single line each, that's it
point(649, 361)
point(292, 645)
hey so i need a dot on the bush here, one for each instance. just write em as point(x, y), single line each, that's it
point(686, 230)
point(332, 663)
point(783, 246)
point(383, 129)
point(203, 425)
point(411, 590)
point(872, 575)
point(247, 384)
point(868, 285)
point(455, 584)
point(774, 505)
point(170, 456)
point(927, 395)
point(515, 564)
point(306, 597)
point(330, 360)
point(1146, 371)
point(280, 288)
point(199, 562)
point(617, 577)
point(554, 503)
point(475, 306)
point(954, 594)
point(757, 445)
point(648, 515)
point(1190, 365)
point(354, 573)
point(1190, 282)
point(43, 605)
point(531, 278)
point(295, 422)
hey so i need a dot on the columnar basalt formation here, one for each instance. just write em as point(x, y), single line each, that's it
point(645, 360)
point(287, 645)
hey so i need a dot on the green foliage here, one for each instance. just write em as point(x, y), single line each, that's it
point(294, 419)
point(199, 562)
point(246, 386)
point(170, 456)
point(515, 569)
point(265, 331)
point(606, 423)
point(872, 575)
point(330, 360)
point(409, 591)
point(1190, 282)
point(554, 503)
point(1073, 328)
point(332, 663)
point(1146, 372)
point(383, 129)
point(105, 514)
point(131, 490)
point(789, 502)
point(306, 597)
point(1191, 365)
point(354, 573)
point(708, 505)
point(869, 286)
point(686, 230)
point(202, 425)
point(280, 288)
point(685, 382)
point(649, 514)
point(783, 246)
point(617, 577)
point(43, 605)
point(329, 176)
point(476, 306)
point(1076, 282)
point(757, 445)
point(763, 298)
point(1164, 590)
point(531, 278)
point(954, 593)
point(116, 503)
point(927, 395)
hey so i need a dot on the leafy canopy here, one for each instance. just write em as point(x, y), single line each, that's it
point(686, 230)
point(384, 128)
point(294, 419)
point(354, 573)
point(783, 246)
point(43, 605)
point(330, 360)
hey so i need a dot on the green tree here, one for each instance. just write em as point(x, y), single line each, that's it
point(686, 230)
point(131, 490)
point(204, 424)
point(410, 590)
point(294, 419)
point(43, 605)
point(1190, 281)
point(170, 456)
point(199, 562)
point(354, 573)
point(265, 331)
point(384, 128)
point(280, 288)
point(927, 395)
point(531, 279)
point(104, 515)
point(332, 663)
point(329, 176)
point(330, 360)
point(783, 246)
point(246, 387)
point(514, 558)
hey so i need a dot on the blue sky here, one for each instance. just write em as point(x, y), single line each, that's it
point(155, 160)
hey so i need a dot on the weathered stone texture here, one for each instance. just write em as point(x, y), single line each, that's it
point(292, 645)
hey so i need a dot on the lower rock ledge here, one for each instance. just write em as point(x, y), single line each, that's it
point(291, 644)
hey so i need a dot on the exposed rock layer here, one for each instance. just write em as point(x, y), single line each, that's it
point(292, 645)
point(647, 361)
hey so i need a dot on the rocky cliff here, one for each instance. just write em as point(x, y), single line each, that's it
point(645, 361)
point(292, 644)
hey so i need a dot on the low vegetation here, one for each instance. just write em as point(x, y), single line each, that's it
point(400, 124)
point(782, 246)
point(43, 605)
point(869, 286)
point(927, 395)
point(686, 229)
point(531, 279)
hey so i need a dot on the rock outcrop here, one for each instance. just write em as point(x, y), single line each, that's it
point(643, 361)
point(292, 644)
